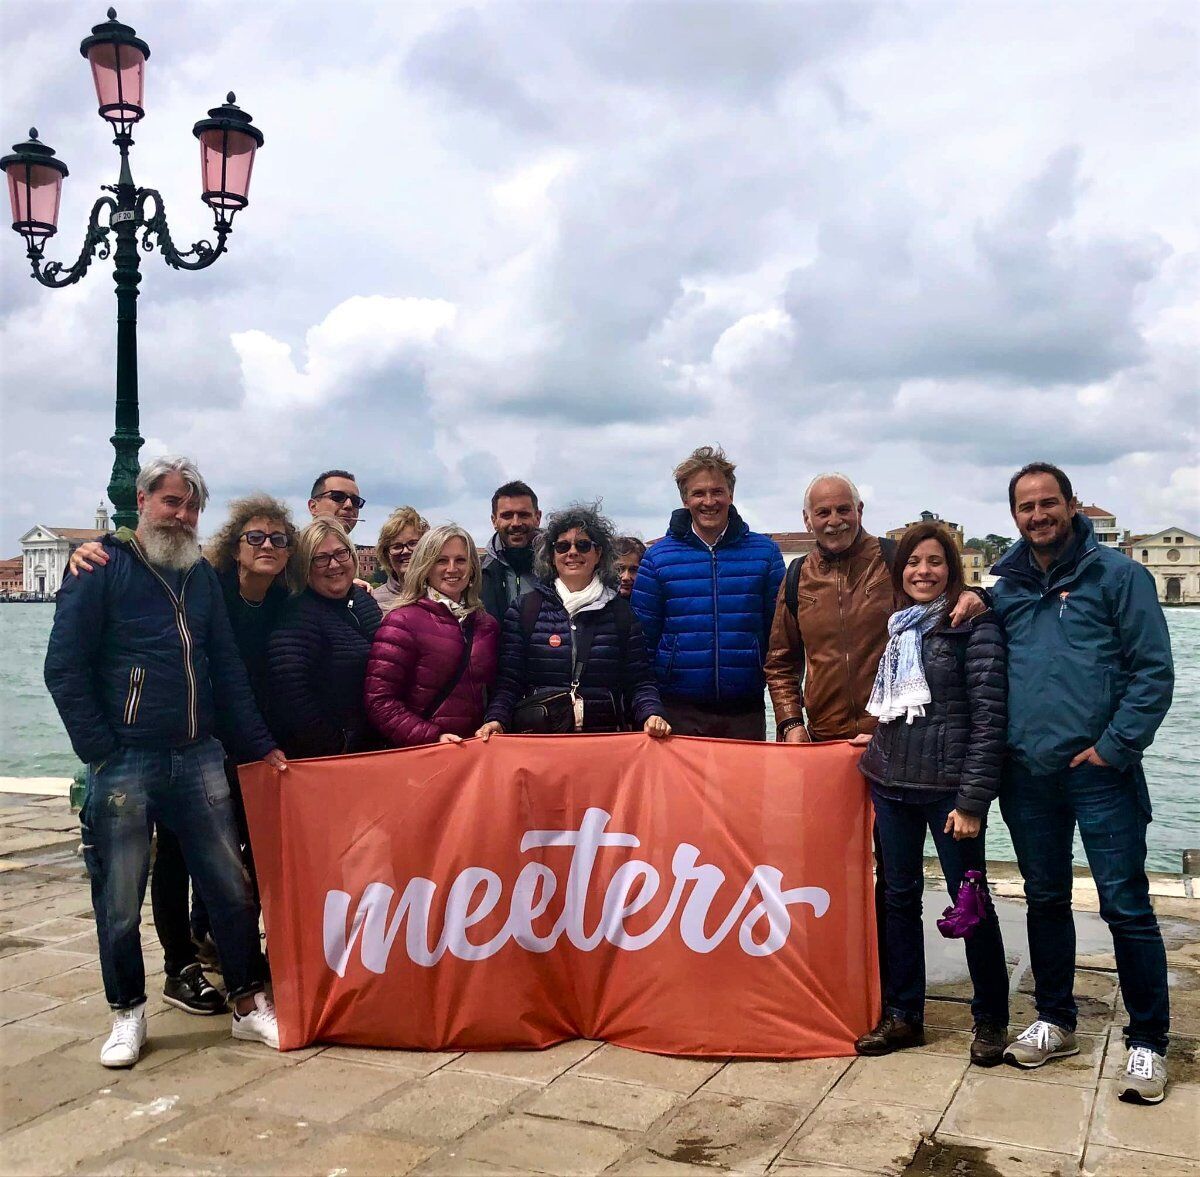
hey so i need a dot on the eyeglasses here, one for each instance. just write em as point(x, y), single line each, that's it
point(582, 546)
point(256, 539)
point(399, 549)
point(324, 559)
point(341, 496)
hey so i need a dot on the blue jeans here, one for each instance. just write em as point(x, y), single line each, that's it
point(902, 826)
point(184, 789)
point(1113, 810)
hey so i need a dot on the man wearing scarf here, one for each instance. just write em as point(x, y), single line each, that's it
point(508, 561)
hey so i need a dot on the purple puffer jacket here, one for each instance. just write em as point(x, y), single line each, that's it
point(416, 651)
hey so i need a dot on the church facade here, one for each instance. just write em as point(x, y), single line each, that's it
point(46, 550)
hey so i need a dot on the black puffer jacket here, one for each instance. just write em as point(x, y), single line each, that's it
point(959, 744)
point(317, 659)
point(618, 686)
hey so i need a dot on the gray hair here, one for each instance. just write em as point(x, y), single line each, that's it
point(587, 518)
point(832, 476)
point(154, 471)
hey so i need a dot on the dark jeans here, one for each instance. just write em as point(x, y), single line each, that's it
point(1112, 809)
point(185, 790)
point(901, 826)
point(694, 719)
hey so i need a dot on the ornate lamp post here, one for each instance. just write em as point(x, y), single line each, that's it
point(228, 141)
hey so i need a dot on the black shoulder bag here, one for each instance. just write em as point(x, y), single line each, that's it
point(549, 711)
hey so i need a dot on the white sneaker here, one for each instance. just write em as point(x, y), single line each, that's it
point(124, 1045)
point(1145, 1078)
point(259, 1025)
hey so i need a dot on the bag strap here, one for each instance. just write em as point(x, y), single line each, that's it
point(427, 713)
point(791, 592)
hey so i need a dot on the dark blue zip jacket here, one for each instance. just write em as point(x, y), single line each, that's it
point(706, 615)
point(131, 663)
point(1089, 654)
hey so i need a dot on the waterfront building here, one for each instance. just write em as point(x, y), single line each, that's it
point(46, 550)
point(955, 529)
point(12, 576)
point(1104, 523)
point(973, 566)
point(1172, 557)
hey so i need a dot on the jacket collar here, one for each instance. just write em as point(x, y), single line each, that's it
point(496, 552)
point(1018, 563)
point(681, 528)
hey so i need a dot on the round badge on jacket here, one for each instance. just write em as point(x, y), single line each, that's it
point(555, 640)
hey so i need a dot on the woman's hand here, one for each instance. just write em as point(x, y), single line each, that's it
point(860, 741)
point(449, 738)
point(489, 729)
point(657, 727)
point(962, 825)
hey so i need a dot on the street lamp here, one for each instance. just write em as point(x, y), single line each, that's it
point(228, 142)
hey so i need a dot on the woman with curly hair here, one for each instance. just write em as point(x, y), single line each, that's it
point(398, 539)
point(572, 658)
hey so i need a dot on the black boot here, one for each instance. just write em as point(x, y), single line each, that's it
point(892, 1033)
point(987, 1048)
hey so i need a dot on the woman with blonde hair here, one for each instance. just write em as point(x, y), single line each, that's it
point(398, 539)
point(436, 652)
point(317, 657)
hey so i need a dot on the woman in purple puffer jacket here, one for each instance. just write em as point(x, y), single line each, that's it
point(435, 654)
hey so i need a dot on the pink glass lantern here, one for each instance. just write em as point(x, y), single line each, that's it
point(118, 60)
point(34, 188)
point(228, 141)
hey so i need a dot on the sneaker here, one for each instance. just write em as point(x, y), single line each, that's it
point(124, 1045)
point(259, 1025)
point(890, 1034)
point(987, 1048)
point(1040, 1043)
point(1145, 1078)
point(192, 992)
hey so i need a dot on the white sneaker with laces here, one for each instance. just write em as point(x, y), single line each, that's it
point(259, 1025)
point(124, 1045)
point(1039, 1043)
point(1145, 1077)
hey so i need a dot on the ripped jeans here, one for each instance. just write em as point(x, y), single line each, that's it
point(184, 789)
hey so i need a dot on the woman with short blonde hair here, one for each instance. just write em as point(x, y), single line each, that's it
point(398, 539)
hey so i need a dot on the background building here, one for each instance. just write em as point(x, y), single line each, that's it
point(1104, 523)
point(46, 550)
point(955, 529)
point(12, 576)
point(973, 566)
point(1172, 556)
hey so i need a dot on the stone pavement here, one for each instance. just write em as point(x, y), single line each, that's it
point(200, 1103)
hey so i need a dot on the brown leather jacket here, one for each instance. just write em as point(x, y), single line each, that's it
point(833, 642)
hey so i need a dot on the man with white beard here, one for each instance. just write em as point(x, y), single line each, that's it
point(143, 668)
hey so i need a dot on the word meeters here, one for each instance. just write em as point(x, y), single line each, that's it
point(475, 893)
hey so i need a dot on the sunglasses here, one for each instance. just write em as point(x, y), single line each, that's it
point(324, 559)
point(582, 546)
point(341, 496)
point(256, 539)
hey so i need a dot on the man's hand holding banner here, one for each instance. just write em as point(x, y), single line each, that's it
point(687, 896)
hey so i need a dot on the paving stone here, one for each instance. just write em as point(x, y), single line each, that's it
point(963, 1157)
point(416, 1062)
point(1147, 1129)
point(527, 1144)
point(15, 1004)
point(915, 1080)
point(873, 1137)
point(85, 1016)
point(603, 1102)
point(443, 1106)
point(288, 1058)
point(61, 822)
point(534, 1066)
point(351, 1154)
point(938, 1040)
point(140, 1167)
point(1102, 1161)
point(742, 1134)
point(48, 1081)
point(14, 841)
point(799, 1083)
point(19, 1042)
point(1077, 1070)
point(999, 1107)
point(452, 1164)
point(28, 967)
point(1183, 1059)
point(320, 1090)
point(650, 1070)
point(197, 1077)
point(956, 1015)
point(70, 899)
point(65, 928)
point(79, 982)
point(61, 1141)
point(649, 1162)
point(232, 1139)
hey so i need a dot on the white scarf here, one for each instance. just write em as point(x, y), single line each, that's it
point(461, 612)
point(900, 686)
point(594, 595)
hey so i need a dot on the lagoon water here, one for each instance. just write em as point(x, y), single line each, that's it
point(33, 743)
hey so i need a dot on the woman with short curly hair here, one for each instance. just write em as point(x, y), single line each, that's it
point(398, 538)
point(572, 656)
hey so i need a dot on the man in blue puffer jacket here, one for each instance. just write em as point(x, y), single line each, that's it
point(143, 668)
point(1089, 681)
point(705, 597)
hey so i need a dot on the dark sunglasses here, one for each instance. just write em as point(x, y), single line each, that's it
point(582, 546)
point(256, 539)
point(340, 496)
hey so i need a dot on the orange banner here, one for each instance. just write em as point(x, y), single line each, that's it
point(682, 896)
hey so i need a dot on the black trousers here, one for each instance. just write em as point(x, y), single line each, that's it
point(694, 719)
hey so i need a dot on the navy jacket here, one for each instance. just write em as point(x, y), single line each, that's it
point(317, 663)
point(707, 615)
point(131, 663)
point(959, 743)
point(1089, 654)
point(617, 686)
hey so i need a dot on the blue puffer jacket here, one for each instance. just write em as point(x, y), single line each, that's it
point(617, 685)
point(707, 615)
point(1089, 655)
point(131, 663)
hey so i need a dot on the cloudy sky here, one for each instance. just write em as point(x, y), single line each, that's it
point(920, 242)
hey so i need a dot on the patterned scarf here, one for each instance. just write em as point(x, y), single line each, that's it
point(900, 686)
point(461, 612)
